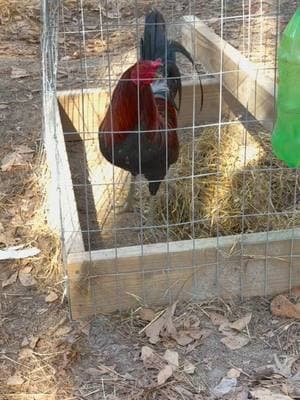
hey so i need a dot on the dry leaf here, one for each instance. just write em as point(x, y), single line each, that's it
point(63, 331)
point(163, 326)
point(233, 373)
point(146, 353)
point(26, 279)
point(282, 307)
point(3, 106)
point(172, 358)
point(51, 297)
point(266, 394)
point(17, 73)
point(33, 340)
point(12, 160)
point(164, 374)
point(224, 387)
point(17, 158)
point(235, 342)
point(183, 339)
point(205, 333)
point(25, 353)
point(147, 314)
point(241, 323)
point(192, 321)
point(12, 279)
point(188, 367)
point(15, 380)
point(150, 358)
point(197, 333)
point(218, 319)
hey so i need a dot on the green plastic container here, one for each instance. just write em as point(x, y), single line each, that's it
point(286, 133)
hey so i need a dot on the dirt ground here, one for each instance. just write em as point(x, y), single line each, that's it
point(45, 356)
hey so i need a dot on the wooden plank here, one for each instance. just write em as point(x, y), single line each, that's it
point(100, 282)
point(62, 211)
point(242, 78)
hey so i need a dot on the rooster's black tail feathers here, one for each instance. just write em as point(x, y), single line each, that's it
point(155, 44)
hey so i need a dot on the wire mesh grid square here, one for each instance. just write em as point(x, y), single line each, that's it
point(225, 184)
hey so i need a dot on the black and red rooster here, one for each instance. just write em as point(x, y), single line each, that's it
point(138, 132)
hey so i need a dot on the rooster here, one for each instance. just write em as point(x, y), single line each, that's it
point(138, 132)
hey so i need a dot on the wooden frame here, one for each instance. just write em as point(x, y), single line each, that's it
point(242, 78)
point(61, 205)
point(101, 283)
point(104, 281)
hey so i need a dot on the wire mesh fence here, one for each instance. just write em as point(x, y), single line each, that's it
point(226, 185)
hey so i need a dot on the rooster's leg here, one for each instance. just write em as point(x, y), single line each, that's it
point(128, 206)
point(150, 217)
point(151, 231)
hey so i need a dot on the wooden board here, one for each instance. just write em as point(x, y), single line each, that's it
point(242, 78)
point(101, 282)
point(61, 205)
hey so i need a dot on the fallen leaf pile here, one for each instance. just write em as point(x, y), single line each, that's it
point(183, 333)
point(233, 338)
point(25, 277)
point(166, 365)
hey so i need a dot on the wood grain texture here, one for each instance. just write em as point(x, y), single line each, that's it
point(61, 205)
point(242, 78)
point(102, 283)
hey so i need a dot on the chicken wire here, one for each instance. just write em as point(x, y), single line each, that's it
point(89, 43)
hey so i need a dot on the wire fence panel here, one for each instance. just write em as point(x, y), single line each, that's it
point(156, 203)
